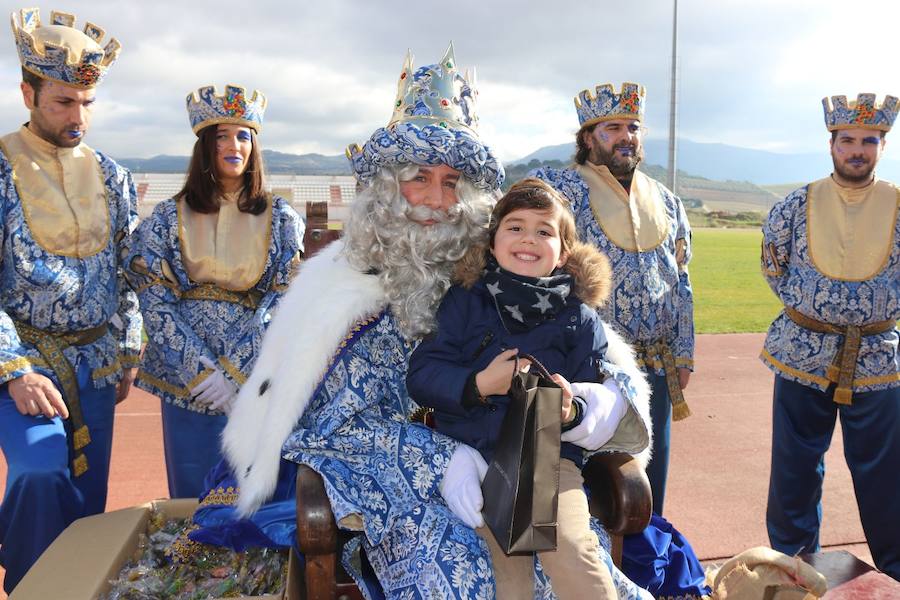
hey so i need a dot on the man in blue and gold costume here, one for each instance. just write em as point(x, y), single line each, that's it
point(831, 252)
point(340, 405)
point(70, 330)
point(643, 229)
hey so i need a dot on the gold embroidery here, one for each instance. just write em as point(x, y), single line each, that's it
point(21, 362)
point(176, 390)
point(221, 496)
point(831, 372)
point(208, 291)
point(232, 370)
point(660, 353)
point(777, 271)
point(766, 357)
point(79, 465)
point(104, 372)
point(81, 437)
point(129, 361)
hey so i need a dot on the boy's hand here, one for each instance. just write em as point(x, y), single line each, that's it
point(495, 379)
point(568, 411)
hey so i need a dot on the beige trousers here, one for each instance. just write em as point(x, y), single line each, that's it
point(575, 568)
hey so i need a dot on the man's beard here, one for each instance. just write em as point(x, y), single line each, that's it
point(620, 166)
point(414, 262)
point(61, 138)
point(850, 174)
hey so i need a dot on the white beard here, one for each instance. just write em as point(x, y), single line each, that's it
point(325, 299)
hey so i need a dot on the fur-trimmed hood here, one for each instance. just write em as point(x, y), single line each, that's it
point(589, 267)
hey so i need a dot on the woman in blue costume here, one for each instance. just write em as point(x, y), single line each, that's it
point(348, 324)
point(210, 266)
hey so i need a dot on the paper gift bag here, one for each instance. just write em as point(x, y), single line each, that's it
point(521, 487)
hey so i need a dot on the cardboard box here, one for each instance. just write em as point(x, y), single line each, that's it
point(80, 562)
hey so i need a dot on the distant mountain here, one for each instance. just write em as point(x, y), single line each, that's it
point(158, 164)
point(724, 162)
point(276, 162)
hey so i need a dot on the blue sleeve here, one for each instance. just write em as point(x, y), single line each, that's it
point(778, 238)
point(15, 358)
point(130, 322)
point(683, 346)
point(436, 376)
point(589, 350)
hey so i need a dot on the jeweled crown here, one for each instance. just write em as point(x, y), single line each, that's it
point(206, 108)
point(607, 105)
point(863, 112)
point(436, 94)
point(60, 52)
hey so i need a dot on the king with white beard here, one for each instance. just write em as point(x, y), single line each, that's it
point(328, 389)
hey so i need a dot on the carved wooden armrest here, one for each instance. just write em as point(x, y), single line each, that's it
point(317, 532)
point(619, 492)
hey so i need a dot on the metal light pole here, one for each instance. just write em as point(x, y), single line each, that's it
point(671, 180)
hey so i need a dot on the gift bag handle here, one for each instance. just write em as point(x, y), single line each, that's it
point(542, 370)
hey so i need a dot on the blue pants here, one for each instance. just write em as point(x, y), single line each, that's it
point(41, 498)
point(803, 421)
point(191, 445)
point(661, 417)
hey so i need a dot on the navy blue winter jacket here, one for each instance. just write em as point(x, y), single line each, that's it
point(470, 334)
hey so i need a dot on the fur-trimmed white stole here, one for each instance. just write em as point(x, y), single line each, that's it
point(326, 298)
point(620, 353)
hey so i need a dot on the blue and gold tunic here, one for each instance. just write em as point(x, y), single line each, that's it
point(647, 237)
point(208, 285)
point(832, 254)
point(66, 217)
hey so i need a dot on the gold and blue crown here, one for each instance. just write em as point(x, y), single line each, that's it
point(607, 105)
point(59, 52)
point(206, 108)
point(434, 122)
point(863, 113)
point(436, 94)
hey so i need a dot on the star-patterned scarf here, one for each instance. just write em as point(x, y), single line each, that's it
point(526, 302)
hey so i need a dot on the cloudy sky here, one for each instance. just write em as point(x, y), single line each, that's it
point(751, 72)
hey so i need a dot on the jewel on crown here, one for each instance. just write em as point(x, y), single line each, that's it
point(67, 55)
point(864, 112)
point(606, 104)
point(435, 94)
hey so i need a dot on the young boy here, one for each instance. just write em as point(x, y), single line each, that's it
point(532, 288)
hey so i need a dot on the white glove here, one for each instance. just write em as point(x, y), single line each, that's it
point(216, 390)
point(461, 485)
point(604, 408)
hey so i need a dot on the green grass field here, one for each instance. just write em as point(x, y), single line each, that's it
point(730, 294)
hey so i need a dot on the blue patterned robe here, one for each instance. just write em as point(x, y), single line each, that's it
point(651, 295)
point(804, 356)
point(66, 293)
point(180, 331)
